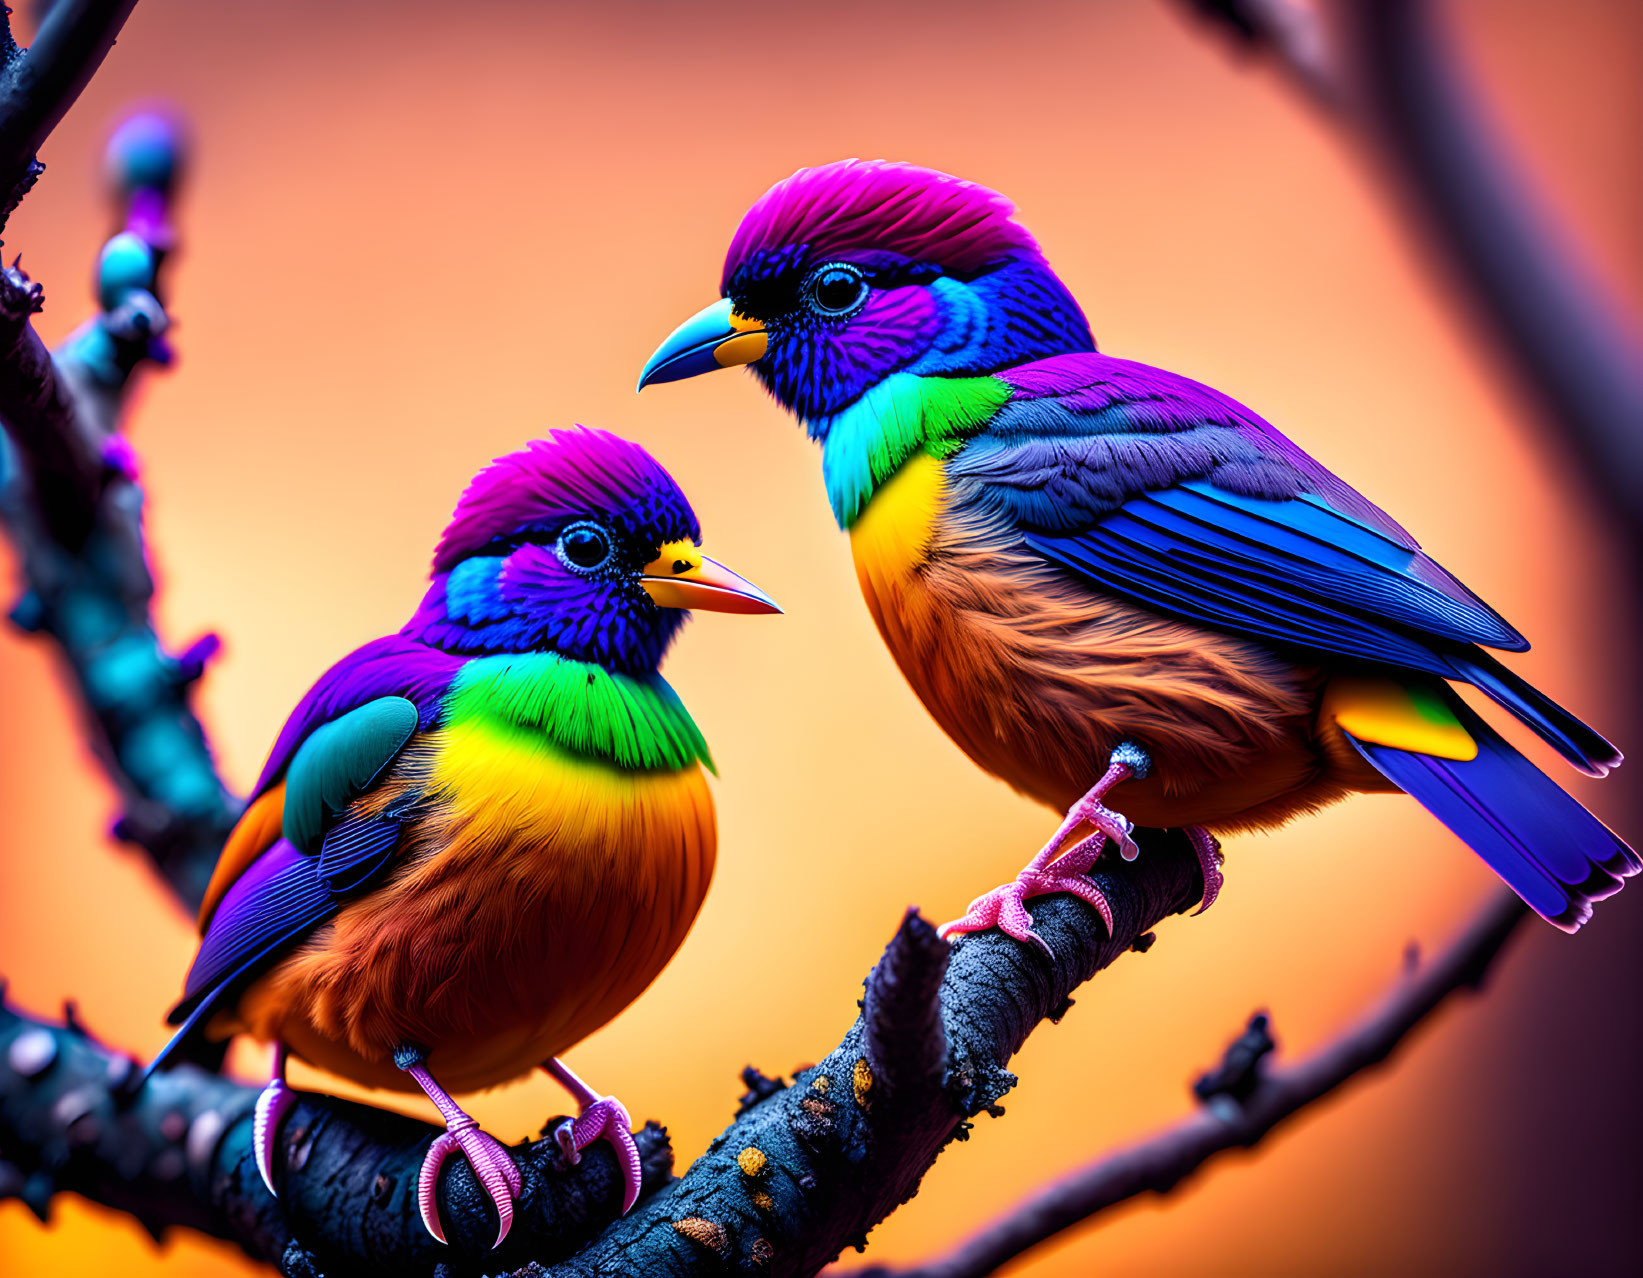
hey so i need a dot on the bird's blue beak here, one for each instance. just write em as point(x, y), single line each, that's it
point(715, 337)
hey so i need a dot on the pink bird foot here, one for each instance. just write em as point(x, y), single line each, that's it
point(1208, 848)
point(601, 1118)
point(272, 1106)
point(1005, 907)
point(492, 1163)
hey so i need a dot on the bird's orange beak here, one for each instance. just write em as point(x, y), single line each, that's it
point(681, 576)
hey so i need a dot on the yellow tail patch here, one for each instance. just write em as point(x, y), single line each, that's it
point(1404, 716)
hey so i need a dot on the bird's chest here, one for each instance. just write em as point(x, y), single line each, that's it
point(540, 894)
point(509, 799)
point(891, 542)
point(577, 869)
point(944, 628)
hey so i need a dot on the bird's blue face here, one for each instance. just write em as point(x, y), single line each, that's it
point(548, 553)
point(863, 270)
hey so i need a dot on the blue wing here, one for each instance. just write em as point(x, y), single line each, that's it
point(283, 896)
point(1183, 501)
point(1292, 570)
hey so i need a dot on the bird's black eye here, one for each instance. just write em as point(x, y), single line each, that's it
point(584, 547)
point(837, 289)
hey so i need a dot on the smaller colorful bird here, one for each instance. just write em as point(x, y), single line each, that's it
point(479, 839)
point(1106, 580)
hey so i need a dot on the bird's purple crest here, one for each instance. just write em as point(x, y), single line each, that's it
point(880, 207)
point(572, 474)
point(546, 550)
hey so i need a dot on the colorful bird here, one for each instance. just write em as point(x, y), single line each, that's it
point(1095, 571)
point(479, 839)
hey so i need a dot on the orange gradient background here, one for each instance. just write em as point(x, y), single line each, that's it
point(416, 235)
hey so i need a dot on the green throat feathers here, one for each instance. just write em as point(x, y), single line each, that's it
point(866, 443)
point(583, 709)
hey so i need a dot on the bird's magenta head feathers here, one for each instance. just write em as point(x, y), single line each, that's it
point(579, 544)
point(570, 475)
point(861, 210)
point(842, 275)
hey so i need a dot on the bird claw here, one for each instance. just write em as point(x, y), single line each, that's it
point(1005, 907)
point(491, 1163)
point(604, 1118)
point(1112, 825)
point(272, 1106)
point(1208, 848)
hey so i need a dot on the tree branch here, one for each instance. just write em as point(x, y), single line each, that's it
point(178, 1152)
point(802, 1172)
point(1242, 1104)
point(901, 1016)
point(38, 85)
point(807, 1171)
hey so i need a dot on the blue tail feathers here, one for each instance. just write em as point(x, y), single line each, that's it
point(1580, 745)
point(1552, 852)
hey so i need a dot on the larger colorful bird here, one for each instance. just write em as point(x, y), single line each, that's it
point(478, 839)
point(1095, 571)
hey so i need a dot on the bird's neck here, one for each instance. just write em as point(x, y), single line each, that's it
point(868, 442)
point(1014, 314)
point(1029, 314)
point(629, 722)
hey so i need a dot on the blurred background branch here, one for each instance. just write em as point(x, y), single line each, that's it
point(1388, 74)
point(71, 501)
point(40, 83)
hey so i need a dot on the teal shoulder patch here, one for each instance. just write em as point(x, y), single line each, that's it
point(340, 761)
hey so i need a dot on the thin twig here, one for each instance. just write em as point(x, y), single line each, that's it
point(1287, 33)
point(1162, 1162)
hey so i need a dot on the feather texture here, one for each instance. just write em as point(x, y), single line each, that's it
point(583, 709)
point(913, 213)
point(572, 474)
